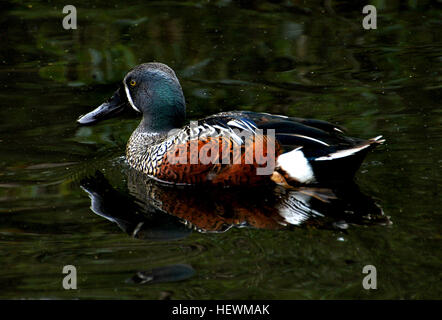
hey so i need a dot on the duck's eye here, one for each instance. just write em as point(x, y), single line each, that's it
point(132, 83)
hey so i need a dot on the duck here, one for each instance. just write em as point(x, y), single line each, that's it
point(234, 148)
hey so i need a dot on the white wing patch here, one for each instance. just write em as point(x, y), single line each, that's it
point(296, 165)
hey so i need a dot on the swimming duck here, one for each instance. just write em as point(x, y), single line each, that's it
point(229, 148)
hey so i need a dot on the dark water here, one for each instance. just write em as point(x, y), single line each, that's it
point(307, 60)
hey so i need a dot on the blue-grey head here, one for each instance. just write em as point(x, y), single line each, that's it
point(151, 89)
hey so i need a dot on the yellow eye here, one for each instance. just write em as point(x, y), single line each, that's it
point(132, 83)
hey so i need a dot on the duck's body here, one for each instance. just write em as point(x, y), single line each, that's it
point(229, 148)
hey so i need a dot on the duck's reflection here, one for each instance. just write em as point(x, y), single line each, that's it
point(152, 211)
point(157, 212)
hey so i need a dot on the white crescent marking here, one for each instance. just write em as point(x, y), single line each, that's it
point(129, 98)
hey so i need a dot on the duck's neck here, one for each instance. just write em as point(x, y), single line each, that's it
point(152, 130)
point(166, 110)
point(161, 122)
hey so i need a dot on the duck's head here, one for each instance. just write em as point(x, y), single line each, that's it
point(151, 89)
